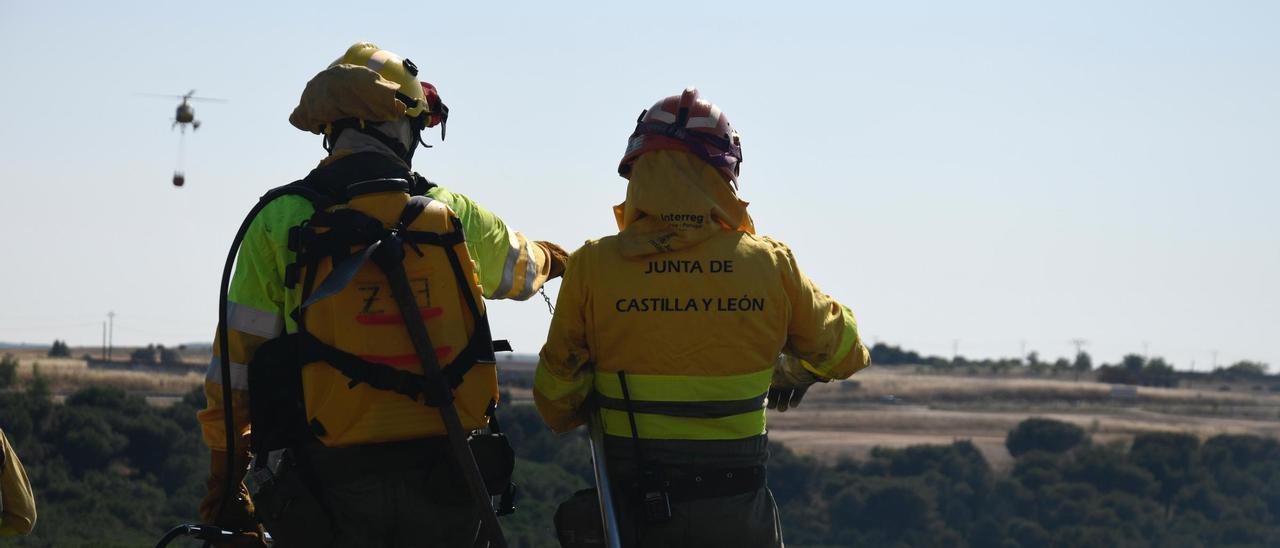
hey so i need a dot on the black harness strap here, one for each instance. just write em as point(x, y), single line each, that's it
point(349, 228)
point(384, 377)
point(390, 259)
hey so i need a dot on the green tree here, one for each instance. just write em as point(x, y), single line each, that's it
point(1133, 363)
point(1106, 468)
point(1170, 458)
point(1247, 368)
point(145, 355)
point(59, 349)
point(1158, 372)
point(39, 383)
point(1037, 434)
point(8, 370)
point(1083, 364)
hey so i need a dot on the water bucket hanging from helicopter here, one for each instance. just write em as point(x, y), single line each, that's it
point(184, 115)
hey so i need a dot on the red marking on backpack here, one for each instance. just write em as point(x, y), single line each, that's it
point(395, 318)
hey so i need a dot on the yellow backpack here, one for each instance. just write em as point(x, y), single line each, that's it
point(392, 342)
point(359, 359)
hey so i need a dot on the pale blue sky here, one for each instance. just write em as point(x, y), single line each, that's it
point(981, 172)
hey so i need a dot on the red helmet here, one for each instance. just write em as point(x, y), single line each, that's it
point(689, 123)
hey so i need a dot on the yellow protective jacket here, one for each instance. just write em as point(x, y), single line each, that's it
point(17, 505)
point(695, 308)
point(508, 266)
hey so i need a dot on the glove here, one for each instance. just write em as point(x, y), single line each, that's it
point(790, 381)
point(238, 515)
point(556, 256)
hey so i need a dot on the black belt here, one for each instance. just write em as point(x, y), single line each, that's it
point(684, 485)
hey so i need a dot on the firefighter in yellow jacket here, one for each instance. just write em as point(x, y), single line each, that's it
point(369, 453)
point(671, 330)
point(17, 504)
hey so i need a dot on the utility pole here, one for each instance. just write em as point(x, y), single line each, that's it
point(111, 339)
point(1079, 344)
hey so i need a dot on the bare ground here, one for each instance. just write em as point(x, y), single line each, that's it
point(66, 375)
point(840, 421)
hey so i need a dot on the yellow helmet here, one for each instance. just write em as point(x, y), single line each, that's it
point(392, 67)
point(368, 84)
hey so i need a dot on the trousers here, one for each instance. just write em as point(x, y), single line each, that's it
point(400, 510)
point(747, 520)
point(403, 494)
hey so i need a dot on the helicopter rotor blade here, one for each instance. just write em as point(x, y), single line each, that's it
point(183, 97)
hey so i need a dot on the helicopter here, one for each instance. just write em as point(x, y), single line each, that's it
point(184, 115)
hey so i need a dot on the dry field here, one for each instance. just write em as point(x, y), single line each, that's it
point(846, 420)
point(66, 375)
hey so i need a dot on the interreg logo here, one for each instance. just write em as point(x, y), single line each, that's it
point(683, 218)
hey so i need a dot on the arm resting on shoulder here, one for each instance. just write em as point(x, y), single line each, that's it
point(511, 266)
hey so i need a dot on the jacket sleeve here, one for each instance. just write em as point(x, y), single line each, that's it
point(255, 314)
point(565, 376)
point(18, 516)
point(821, 332)
point(510, 266)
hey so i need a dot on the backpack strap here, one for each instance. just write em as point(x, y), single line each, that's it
point(362, 230)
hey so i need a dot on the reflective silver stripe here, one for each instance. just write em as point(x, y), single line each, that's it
point(509, 269)
point(661, 115)
point(686, 409)
point(247, 319)
point(239, 374)
point(712, 119)
point(530, 274)
point(379, 58)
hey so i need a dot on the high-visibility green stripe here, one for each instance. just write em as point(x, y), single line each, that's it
point(662, 427)
point(688, 388)
point(847, 339)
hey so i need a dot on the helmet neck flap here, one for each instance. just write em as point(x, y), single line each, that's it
point(401, 137)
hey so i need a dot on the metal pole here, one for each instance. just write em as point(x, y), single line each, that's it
point(608, 514)
point(111, 340)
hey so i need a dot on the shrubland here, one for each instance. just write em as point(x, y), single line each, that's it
point(110, 470)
